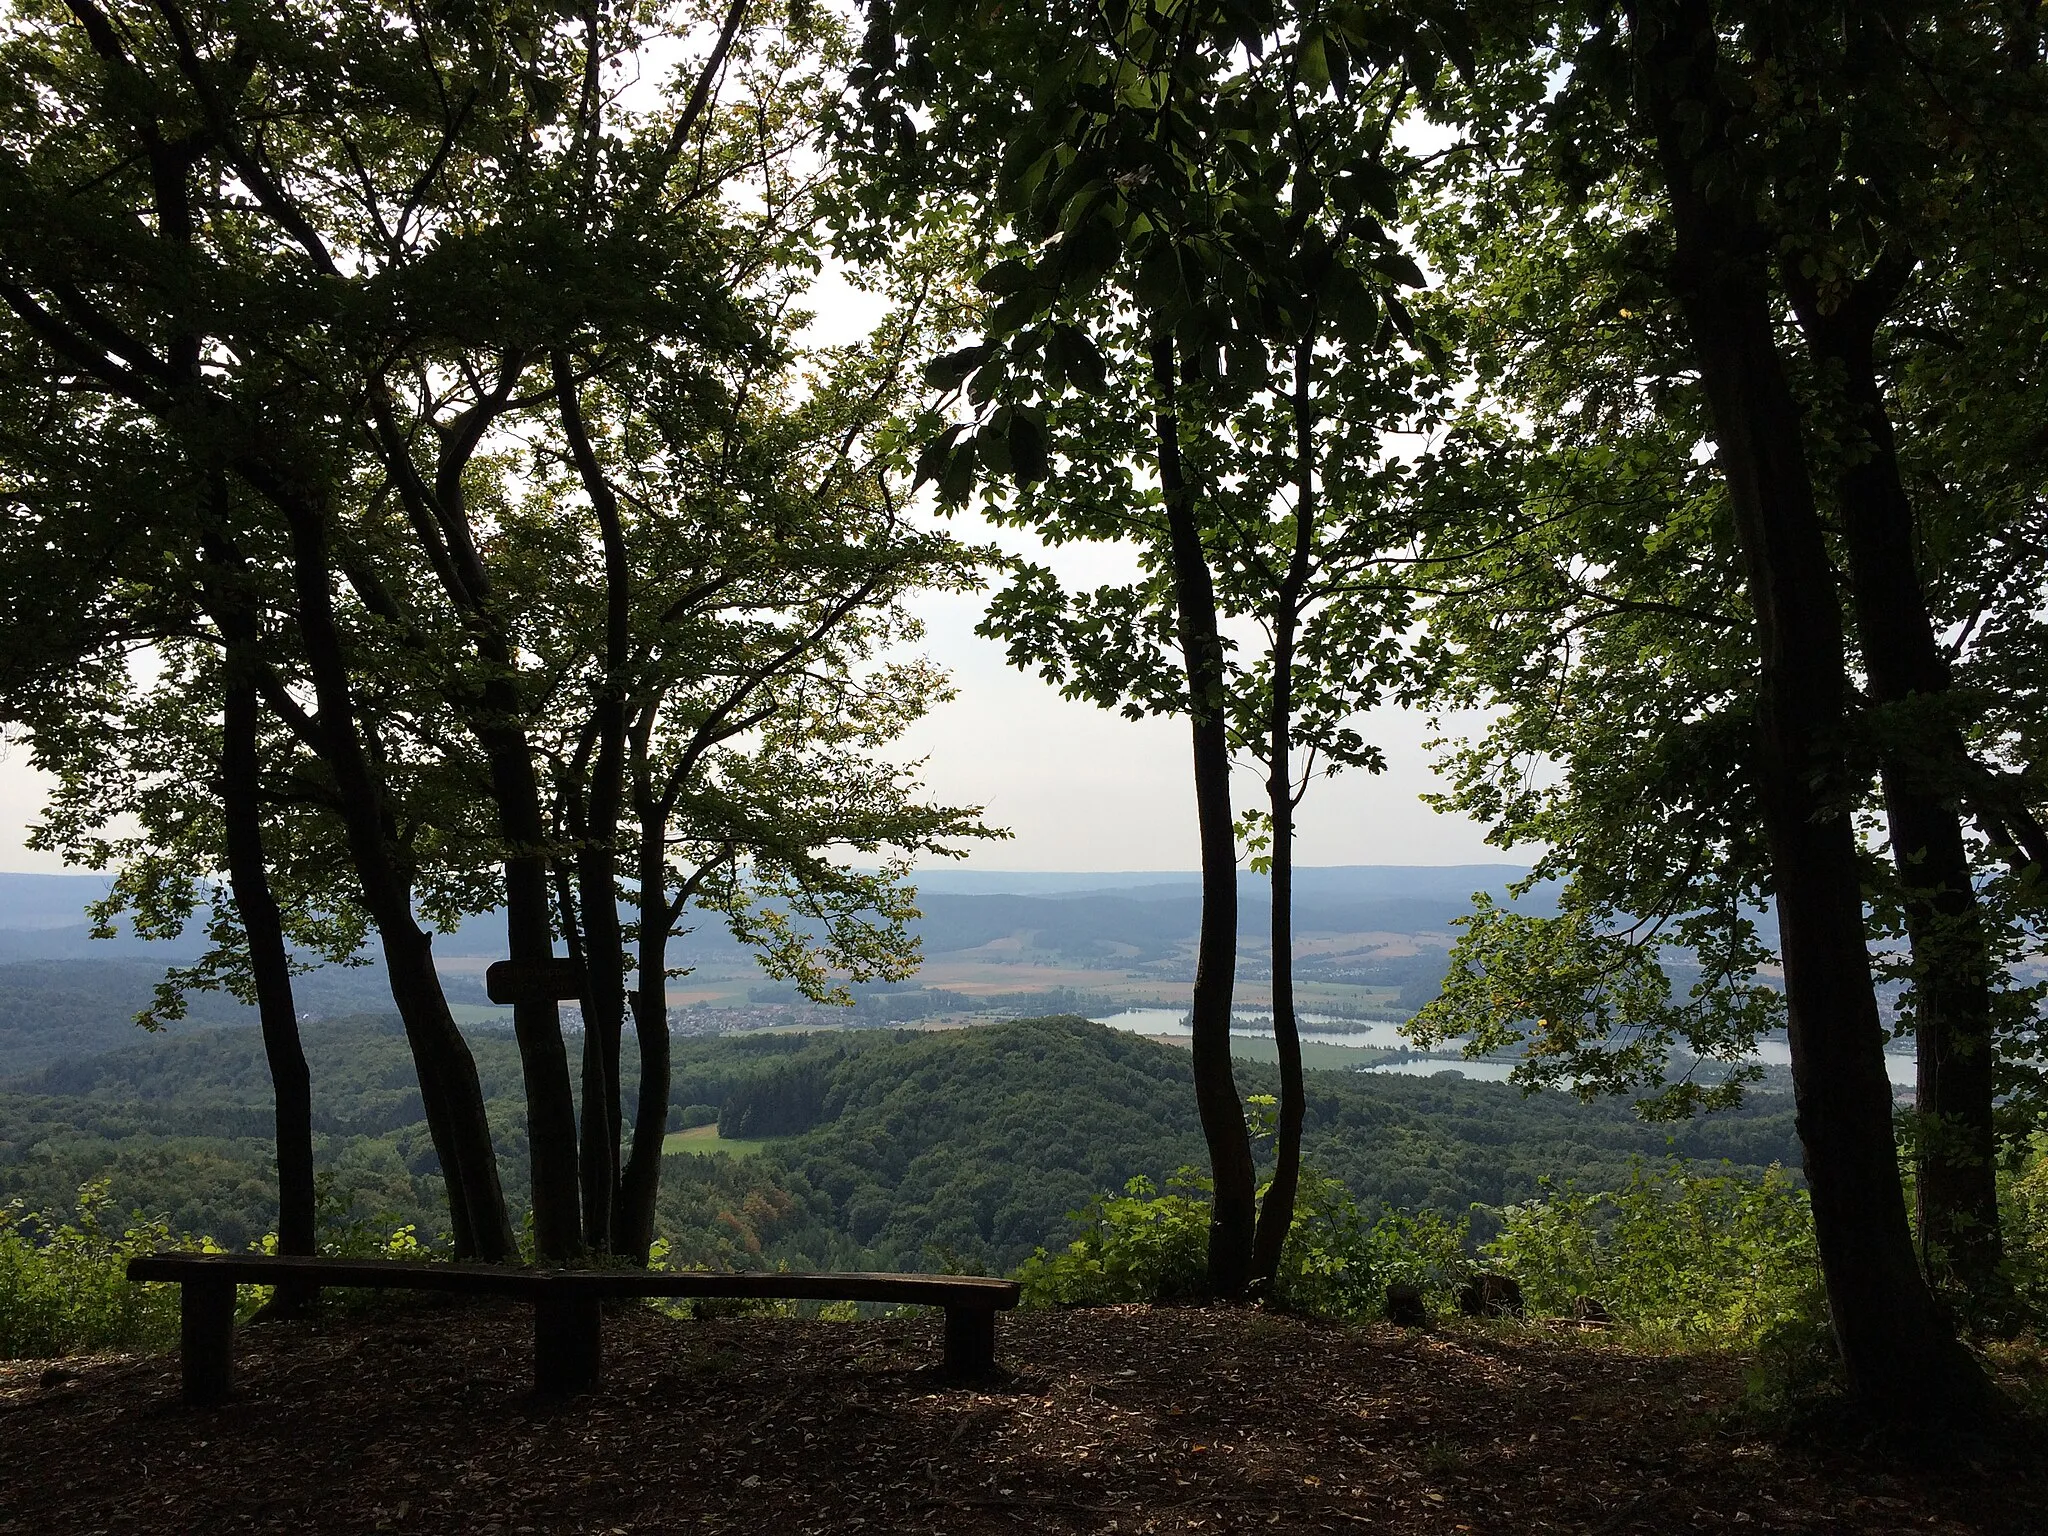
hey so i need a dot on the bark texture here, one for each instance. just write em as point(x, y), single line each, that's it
point(1901, 1358)
point(1276, 1212)
point(1956, 1190)
point(1233, 1209)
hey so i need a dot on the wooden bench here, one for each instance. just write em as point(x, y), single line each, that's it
point(568, 1353)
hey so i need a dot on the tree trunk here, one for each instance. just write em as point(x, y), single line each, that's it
point(536, 1018)
point(270, 965)
point(597, 831)
point(1955, 1142)
point(450, 1093)
point(1902, 1360)
point(1234, 1202)
point(604, 1010)
point(262, 927)
point(640, 1180)
point(1276, 1214)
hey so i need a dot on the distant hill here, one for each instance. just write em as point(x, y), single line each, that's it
point(1141, 916)
point(1359, 881)
point(47, 901)
point(887, 1150)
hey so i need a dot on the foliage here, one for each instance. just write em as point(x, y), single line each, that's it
point(1149, 1246)
point(976, 1141)
point(64, 1289)
point(2025, 1201)
point(612, 566)
point(1141, 1245)
point(1673, 1254)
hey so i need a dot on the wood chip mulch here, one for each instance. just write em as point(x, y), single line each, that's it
point(420, 1418)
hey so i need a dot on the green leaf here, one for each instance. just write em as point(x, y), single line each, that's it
point(1399, 266)
point(931, 460)
point(957, 482)
point(1315, 64)
point(1072, 351)
point(949, 371)
point(1030, 452)
point(1005, 277)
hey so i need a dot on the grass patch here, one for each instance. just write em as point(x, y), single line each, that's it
point(705, 1139)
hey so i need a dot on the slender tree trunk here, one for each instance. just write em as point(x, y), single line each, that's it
point(1276, 1214)
point(536, 1020)
point(639, 1182)
point(597, 845)
point(450, 1092)
point(262, 926)
point(1956, 1189)
point(1233, 1210)
point(269, 962)
point(1902, 1360)
point(604, 1007)
point(441, 525)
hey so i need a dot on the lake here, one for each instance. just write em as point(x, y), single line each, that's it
point(1254, 1024)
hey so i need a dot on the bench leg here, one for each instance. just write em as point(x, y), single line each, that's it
point(568, 1343)
point(206, 1339)
point(970, 1341)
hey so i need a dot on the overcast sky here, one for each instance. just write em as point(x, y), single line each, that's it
point(1081, 788)
point(1085, 789)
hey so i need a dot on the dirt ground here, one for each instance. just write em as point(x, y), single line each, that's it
point(419, 1418)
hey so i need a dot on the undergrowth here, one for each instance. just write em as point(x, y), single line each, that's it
point(64, 1287)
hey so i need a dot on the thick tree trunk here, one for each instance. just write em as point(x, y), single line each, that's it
point(1233, 1211)
point(450, 1093)
point(1902, 1360)
point(1956, 1140)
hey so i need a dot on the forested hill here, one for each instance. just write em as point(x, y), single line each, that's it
point(880, 1149)
point(1129, 918)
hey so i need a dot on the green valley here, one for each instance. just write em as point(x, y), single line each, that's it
point(874, 1148)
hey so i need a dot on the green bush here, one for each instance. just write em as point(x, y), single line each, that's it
point(1138, 1246)
point(1676, 1255)
point(1152, 1247)
point(64, 1289)
point(2024, 1222)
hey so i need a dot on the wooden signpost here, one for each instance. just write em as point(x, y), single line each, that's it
point(554, 980)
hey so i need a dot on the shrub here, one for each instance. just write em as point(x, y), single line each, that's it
point(1683, 1257)
point(2024, 1224)
point(64, 1289)
point(1152, 1247)
point(1138, 1246)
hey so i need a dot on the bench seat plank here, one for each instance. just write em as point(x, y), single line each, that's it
point(566, 1338)
point(378, 1274)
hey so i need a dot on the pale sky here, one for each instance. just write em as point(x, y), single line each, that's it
point(1085, 789)
point(1081, 788)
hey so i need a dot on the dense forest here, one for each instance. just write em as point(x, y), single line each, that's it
point(889, 1150)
